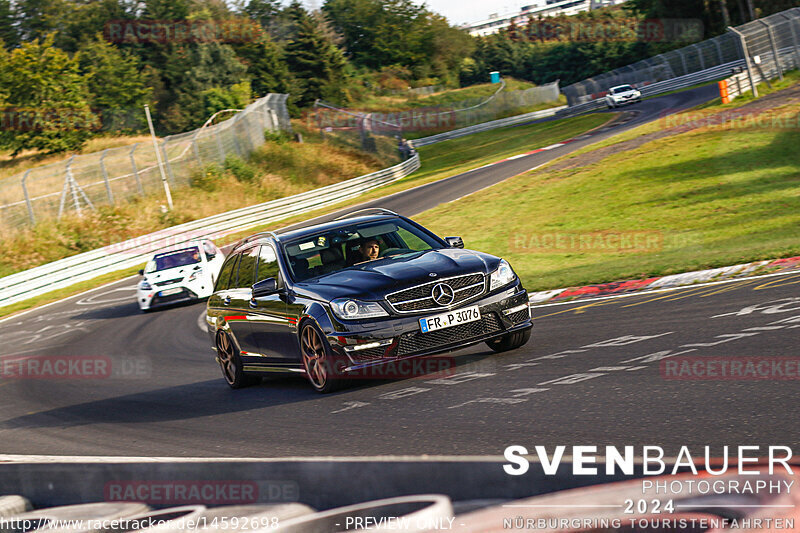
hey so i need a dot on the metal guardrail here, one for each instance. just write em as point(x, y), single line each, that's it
point(485, 126)
point(128, 254)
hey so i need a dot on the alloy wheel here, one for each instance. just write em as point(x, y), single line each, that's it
point(314, 358)
point(225, 356)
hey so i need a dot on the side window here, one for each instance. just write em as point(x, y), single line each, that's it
point(247, 268)
point(225, 273)
point(267, 264)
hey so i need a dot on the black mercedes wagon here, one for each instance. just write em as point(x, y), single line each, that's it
point(368, 289)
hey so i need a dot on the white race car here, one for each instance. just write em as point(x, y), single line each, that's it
point(186, 273)
point(621, 95)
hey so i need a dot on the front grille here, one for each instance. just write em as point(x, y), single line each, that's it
point(168, 282)
point(419, 298)
point(184, 294)
point(368, 355)
point(419, 342)
point(519, 316)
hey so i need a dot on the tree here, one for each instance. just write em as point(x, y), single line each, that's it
point(117, 88)
point(48, 98)
point(190, 70)
point(9, 34)
point(266, 69)
point(314, 59)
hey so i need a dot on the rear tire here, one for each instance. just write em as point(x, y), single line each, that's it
point(322, 369)
point(510, 341)
point(230, 362)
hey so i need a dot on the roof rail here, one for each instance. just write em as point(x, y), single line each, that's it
point(253, 237)
point(369, 210)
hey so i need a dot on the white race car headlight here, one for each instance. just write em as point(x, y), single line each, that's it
point(348, 309)
point(502, 276)
point(145, 286)
point(195, 275)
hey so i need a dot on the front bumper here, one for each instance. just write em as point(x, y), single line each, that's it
point(624, 101)
point(401, 337)
point(153, 298)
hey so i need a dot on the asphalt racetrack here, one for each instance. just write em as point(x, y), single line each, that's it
point(594, 373)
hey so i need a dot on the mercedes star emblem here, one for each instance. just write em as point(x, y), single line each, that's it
point(443, 294)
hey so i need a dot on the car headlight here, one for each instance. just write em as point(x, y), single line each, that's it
point(502, 276)
point(195, 275)
point(144, 285)
point(348, 309)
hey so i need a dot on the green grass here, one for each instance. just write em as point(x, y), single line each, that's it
point(709, 198)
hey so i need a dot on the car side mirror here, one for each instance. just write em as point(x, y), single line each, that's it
point(141, 272)
point(454, 242)
point(265, 287)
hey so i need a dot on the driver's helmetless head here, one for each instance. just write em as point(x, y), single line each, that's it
point(370, 249)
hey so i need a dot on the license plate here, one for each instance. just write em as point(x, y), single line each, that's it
point(167, 292)
point(453, 318)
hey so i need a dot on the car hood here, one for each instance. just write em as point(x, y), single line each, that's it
point(375, 279)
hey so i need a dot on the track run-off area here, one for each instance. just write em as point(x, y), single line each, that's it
point(594, 373)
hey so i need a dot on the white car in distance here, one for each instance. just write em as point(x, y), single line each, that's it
point(621, 95)
point(181, 274)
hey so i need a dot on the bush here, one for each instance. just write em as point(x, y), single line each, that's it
point(207, 178)
point(241, 170)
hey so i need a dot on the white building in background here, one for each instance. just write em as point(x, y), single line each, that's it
point(539, 8)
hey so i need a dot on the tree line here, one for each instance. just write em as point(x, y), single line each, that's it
point(72, 68)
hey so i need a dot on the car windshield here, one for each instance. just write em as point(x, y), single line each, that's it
point(355, 246)
point(178, 258)
point(622, 89)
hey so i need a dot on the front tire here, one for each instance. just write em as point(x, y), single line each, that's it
point(230, 362)
point(510, 341)
point(321, 367)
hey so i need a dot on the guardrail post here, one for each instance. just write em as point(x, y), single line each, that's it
point(28, 203)
point(775, 55)
point(105, 176)
point(746, 54)
point(135, 170)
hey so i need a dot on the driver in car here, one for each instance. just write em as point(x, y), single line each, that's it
point(370, 250)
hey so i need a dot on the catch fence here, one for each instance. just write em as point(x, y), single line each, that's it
point(87, 181)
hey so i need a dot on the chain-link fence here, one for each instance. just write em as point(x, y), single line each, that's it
point(368, 131)
point(771, 42)
point(86, 181)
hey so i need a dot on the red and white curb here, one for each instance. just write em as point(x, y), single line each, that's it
point(662, 283)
